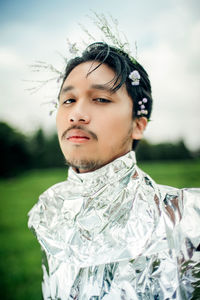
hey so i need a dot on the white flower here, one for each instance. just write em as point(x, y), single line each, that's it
point(145, 112)
point(135, 77)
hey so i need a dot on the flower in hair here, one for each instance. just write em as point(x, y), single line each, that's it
point(135, 77)
point(142, 111)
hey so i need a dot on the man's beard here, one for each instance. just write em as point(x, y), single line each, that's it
point(85, 165)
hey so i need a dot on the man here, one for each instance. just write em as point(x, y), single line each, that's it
point(109, 231)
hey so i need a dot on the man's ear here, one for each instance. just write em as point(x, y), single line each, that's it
point(139, 125)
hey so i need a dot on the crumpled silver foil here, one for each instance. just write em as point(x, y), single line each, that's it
point(115, 234)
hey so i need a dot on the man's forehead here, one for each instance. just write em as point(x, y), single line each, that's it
point(97, 76)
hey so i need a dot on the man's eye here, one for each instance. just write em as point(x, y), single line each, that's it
point(69, 101)
point(102, 100)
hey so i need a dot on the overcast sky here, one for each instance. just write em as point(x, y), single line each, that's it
point(168, 40)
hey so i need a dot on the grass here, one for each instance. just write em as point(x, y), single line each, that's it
point(179, 174)
point(20, 264)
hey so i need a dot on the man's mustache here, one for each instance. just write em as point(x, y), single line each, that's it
point(92, 134)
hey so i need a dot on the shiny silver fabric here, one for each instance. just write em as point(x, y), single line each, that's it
point(115, 234)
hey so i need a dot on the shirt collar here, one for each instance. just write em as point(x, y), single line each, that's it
point(109, 173)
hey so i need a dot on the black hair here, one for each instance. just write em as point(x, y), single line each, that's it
point(122, 65)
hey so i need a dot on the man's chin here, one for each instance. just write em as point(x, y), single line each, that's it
point(84, 164)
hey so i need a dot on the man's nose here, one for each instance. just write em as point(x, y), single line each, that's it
point(79, 115)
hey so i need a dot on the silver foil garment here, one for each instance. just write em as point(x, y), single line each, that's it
point(115, 234)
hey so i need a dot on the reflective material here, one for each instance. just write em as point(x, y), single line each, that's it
point(115, 234)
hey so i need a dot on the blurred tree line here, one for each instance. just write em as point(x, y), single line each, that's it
point(20, 152)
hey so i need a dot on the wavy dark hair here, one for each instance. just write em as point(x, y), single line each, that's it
point(122, 65)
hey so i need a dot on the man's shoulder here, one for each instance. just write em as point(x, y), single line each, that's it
point(54, 189)
point(186, 194)
point(183, 206)
point(50, 199)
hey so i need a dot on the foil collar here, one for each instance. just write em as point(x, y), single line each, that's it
point(115, 234)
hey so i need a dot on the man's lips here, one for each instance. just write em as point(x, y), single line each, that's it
point(75, 135)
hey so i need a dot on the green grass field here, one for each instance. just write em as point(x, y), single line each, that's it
point(20, 264)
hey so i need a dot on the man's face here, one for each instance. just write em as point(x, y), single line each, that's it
point(94, 125)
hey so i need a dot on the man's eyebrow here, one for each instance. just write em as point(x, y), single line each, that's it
point(66, 89)
point(102, 87)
